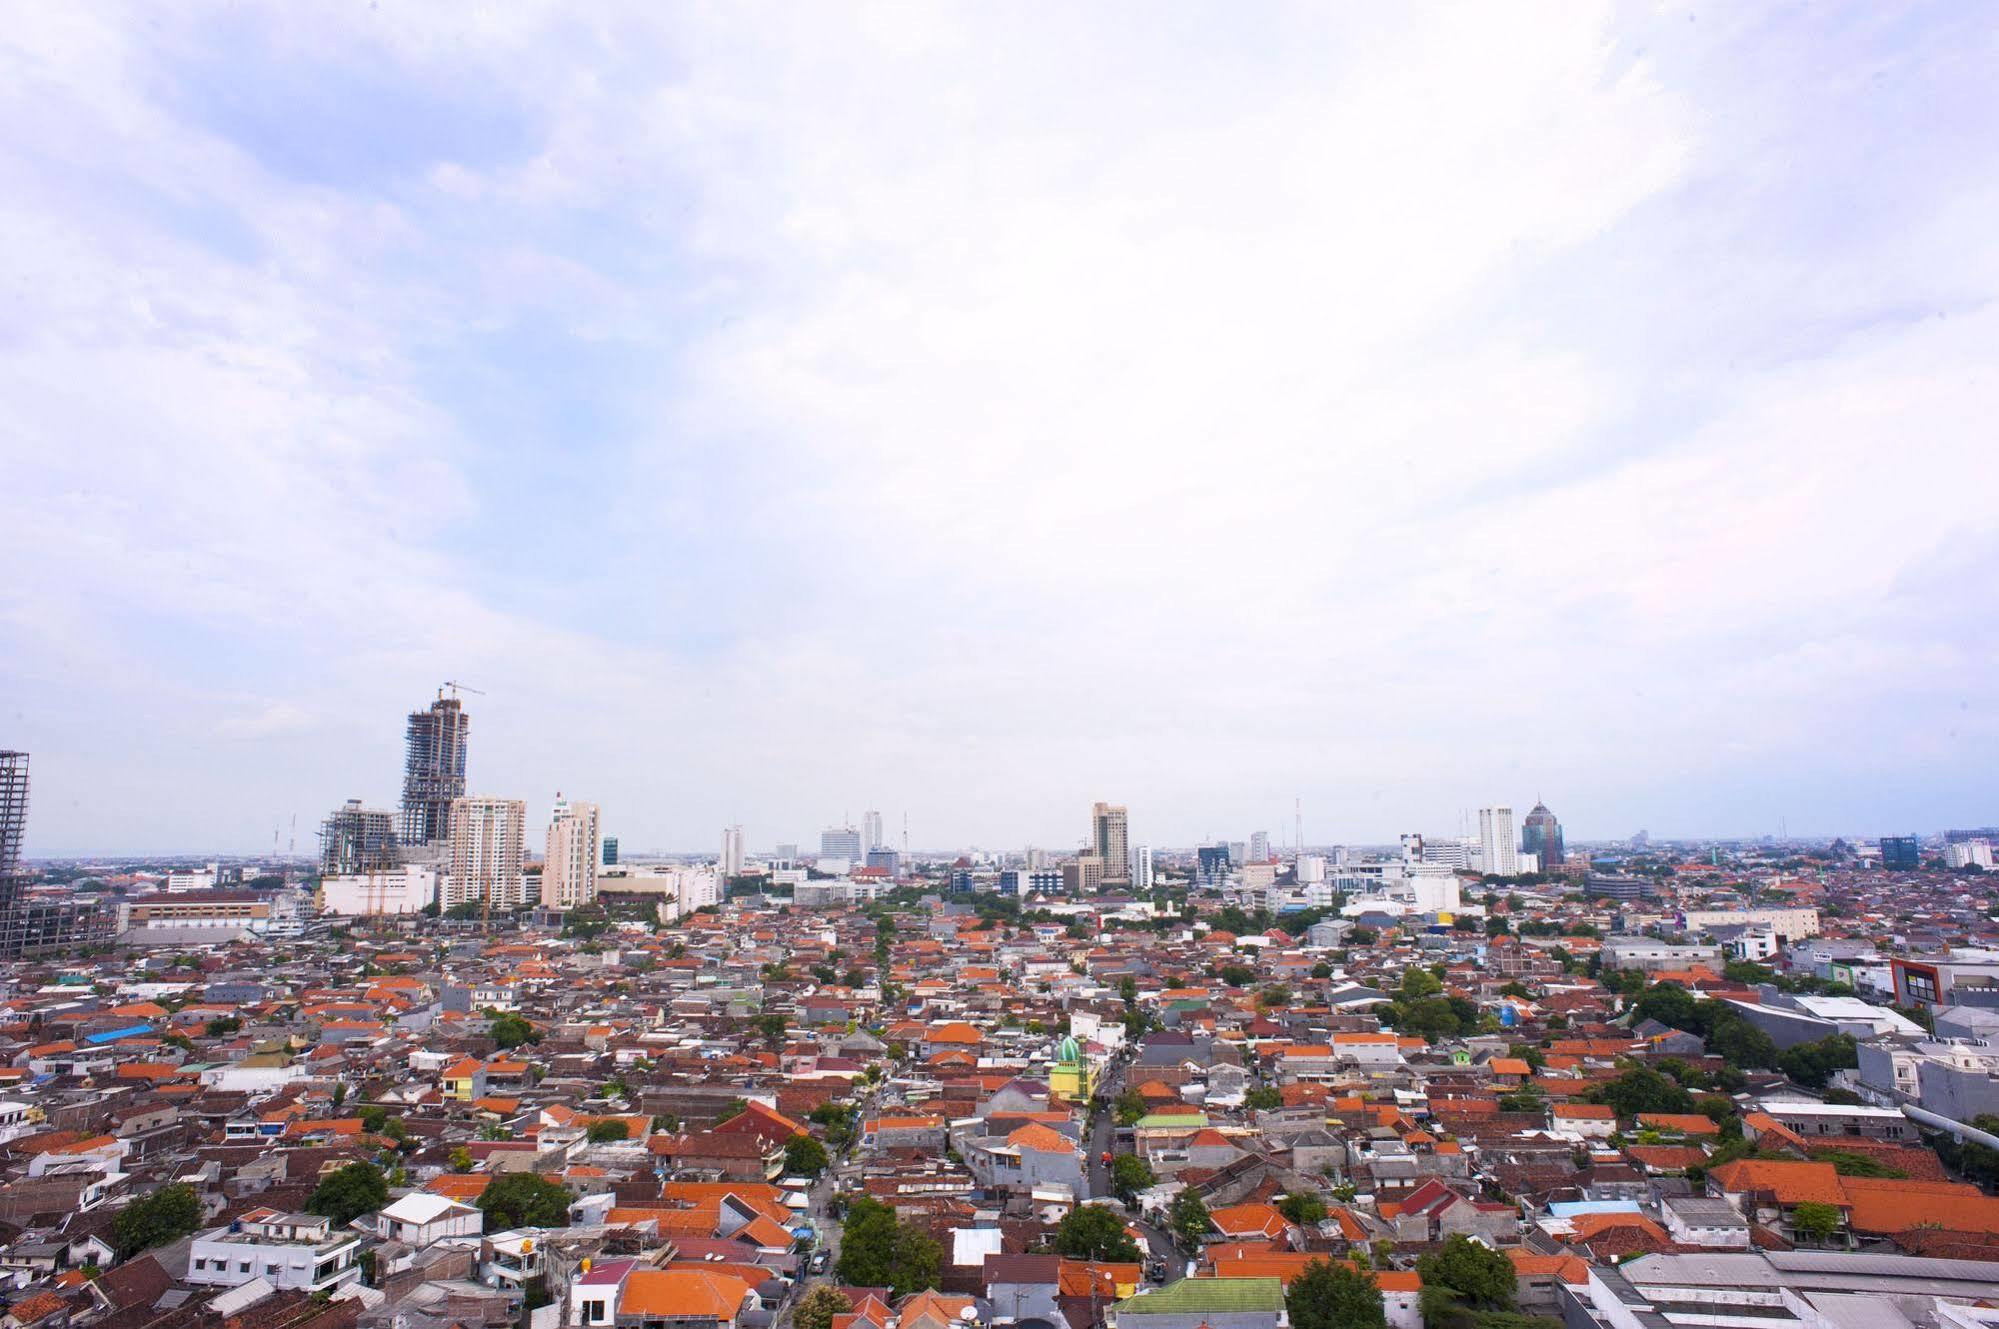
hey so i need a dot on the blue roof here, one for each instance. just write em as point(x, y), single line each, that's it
point(1572, 1208)
point(113, 1035)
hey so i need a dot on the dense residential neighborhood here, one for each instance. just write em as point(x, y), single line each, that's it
point(1746, 1087)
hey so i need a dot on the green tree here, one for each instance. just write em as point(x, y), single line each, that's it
point(1332, 1296)
point(771, 1026)
point(804, 1156)
point(345, 1195)
point(511, 1030)
point(1816, 1221)
point(1130, 1174)
point(609, 1131)
point(373, 1118)
point(1238, 975)
point(524, 1199)
point(1303, 1208)
point(1265, 1097)
point(1812, 1064)
point(461, 1159)
point(1188, 1217)
point(1669, 1004)
point(1130, 1107)
point(1478, 1276)
point(1643, 1090)
point(816, 1309)
point(1418, 982)
point(1092, 1232)
point(154, 1219)
point(1738, 1042)
point(223, 1027)
point(876, 1250)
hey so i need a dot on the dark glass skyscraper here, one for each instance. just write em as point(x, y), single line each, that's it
point(1541, 834)
point(433, 769)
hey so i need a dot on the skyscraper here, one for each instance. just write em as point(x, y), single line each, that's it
point(13, 809)
point(569, 872)
point(355, 841)
point(1110, 842)
point(1499, 855)
point(842, 842)
point(610, 851)
point(871, 831)
point(486, 852)
point(732, 852)
point(1141, 867)
point(1259, 846)
point(1541, 834)
point(433, 769)
point(30, 924)
point(1901, 853)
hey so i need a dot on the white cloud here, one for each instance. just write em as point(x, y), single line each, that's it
point(1031, 408)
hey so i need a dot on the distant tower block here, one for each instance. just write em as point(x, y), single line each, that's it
point(433, 769)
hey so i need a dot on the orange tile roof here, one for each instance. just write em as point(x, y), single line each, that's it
point(682, 1294)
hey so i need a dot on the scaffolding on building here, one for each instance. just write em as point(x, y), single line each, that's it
point(433, 768)
point(355, 841)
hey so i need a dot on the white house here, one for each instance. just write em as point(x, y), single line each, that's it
point(291, 1252)
point(419, 1218)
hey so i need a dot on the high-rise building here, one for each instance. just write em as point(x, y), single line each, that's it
point(1541, 835)
point(13, 809)
point(433, 769)
point(1141, 867)
point(1259, 846)
point(841, 842)
point(1084, 875)
point(1110, 843)
point(32, 924)
point(355, 841)
point(485, 861)
point(1499, 854)
point(888, 860)
point(1211, 864)
point(610, 851)
point(1901, 853)
point(733, 858)
point(871, 831)
point(569, 872)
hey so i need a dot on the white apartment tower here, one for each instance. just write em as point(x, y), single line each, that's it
point(1141, 867)
point(871, 832)
point(486, 850)
point(569, 873)
point(733, 858)
point(1259, 846)
point(1499, 852)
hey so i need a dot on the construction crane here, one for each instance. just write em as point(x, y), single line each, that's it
point(457, 687)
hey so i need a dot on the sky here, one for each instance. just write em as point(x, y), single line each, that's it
point(973, 412)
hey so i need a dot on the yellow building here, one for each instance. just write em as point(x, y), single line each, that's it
point(1073, 1077)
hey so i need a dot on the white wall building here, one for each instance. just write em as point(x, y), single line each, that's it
point(1498, 850)
point(407, 890)
point(1969, 854)
point(487, 850)
point(1141, 867)
point(569, 872)
point(733, 857)
point(291, 1252)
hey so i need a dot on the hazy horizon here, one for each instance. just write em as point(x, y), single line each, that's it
point(986, 411)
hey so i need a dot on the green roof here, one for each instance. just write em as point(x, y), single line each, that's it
point(1170, 1119)
point(1208, 1296)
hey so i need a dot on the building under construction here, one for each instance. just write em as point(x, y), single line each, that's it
point(355, 841)
point(433, 769)
point(32, 922)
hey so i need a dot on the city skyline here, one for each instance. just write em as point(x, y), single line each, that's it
point(1445, 405)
